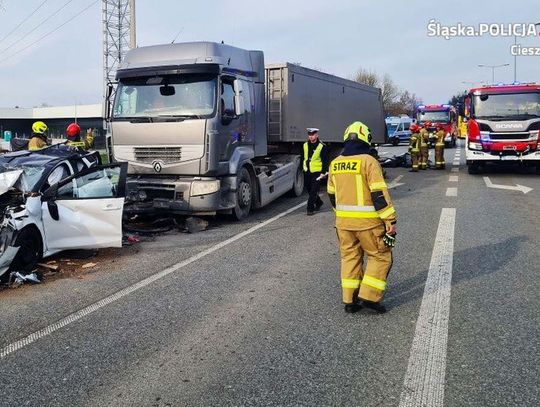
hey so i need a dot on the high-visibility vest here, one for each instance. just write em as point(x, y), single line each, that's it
point(315, 164)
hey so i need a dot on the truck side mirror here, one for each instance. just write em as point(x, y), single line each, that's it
point(108, 104)
point(238, 98)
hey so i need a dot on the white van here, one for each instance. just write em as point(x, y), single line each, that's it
point(398, 129)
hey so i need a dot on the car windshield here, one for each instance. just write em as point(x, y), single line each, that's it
point(23, 177)
point(182, 96)
point(508, 106)
point(434, 117)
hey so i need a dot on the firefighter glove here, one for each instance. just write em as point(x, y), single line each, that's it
point(389, 240)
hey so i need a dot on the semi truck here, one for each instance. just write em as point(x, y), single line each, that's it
point(443, 114)
point(206, 128)
point(504, 126)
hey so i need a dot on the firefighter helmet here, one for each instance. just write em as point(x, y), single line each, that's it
point(73, 131)
point(428, 124)
point(357, 131)
point(415, 128)
point(39, 128)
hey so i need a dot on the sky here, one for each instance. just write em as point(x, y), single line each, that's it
point(337, 37)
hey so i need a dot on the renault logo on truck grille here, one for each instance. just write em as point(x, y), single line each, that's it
point(158, 166)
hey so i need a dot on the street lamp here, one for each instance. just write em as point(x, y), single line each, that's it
point(492, 69)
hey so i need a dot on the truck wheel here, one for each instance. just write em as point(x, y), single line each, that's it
point(298, 184)
point(244, 195)
point(473, 168)
point(30, 251)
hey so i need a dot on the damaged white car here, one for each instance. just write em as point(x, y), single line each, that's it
point(56, 199)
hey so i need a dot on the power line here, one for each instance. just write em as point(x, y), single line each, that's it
point(50, 32)
point(37, 26)
point(23, 21)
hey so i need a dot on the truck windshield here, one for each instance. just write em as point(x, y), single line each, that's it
point(508, 106)
point(434, 117)
point(183, 96)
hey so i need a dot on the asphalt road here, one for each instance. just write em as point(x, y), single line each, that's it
point(256, 320)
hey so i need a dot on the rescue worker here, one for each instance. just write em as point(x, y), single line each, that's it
point(439, 147)
point(414, 146)
point(424, 146)
point(39, 136)
point(365, 221)
point(73, 133)
point(315, 167)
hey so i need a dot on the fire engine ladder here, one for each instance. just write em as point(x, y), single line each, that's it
point(275, 103)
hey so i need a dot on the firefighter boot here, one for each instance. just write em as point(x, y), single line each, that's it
point(375, 306)
point(352, 308)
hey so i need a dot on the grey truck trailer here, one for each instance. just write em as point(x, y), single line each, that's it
point(206, 128)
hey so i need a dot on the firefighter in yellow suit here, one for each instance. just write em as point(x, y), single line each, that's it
point(424, 146)
point(439, 147)
point(39, 137)
point(414, 146)
point(365, 221)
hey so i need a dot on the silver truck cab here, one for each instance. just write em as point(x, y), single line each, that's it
point(185, 118)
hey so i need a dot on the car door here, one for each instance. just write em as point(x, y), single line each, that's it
point(85, 210)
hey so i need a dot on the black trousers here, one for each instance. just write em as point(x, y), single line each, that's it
point(312, 186)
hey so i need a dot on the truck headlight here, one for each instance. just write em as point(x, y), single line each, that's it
point(204, 187)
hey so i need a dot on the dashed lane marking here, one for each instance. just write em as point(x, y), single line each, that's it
point(17, 345)
point(451, 191)
point(455, 169)
point(425, 377)
point(453, 178)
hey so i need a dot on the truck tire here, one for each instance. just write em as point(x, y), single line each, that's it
point(298, 184)
point(473, 168)
point(244, 195)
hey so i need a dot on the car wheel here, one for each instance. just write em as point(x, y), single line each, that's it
point(395, 142)
point(30, 251)
point(244, 195)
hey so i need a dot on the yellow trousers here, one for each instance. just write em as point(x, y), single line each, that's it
point(424, 157)
point(439, 156)
point(369, 282)
point(415, 158)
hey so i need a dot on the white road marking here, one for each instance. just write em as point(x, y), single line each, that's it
point(395, 182)
point(453, 178)
point(424, 381)
point(455, 169)
point(516, 187)
point(451, 191)
point(21, 343)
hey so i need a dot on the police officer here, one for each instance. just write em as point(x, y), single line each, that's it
point(424, 146)
point(439, 147)
point(365, 220)
point(414, 146)
point(39, 136)
point(73, 134)
point(315, 165)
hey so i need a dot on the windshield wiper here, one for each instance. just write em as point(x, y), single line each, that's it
point(133, 119)
point(181, 116)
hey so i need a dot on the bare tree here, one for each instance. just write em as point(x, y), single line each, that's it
point(367, 77)
point(395, 101)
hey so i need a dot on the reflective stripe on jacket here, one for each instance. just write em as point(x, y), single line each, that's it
point(315, 164)
point(361, 195)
